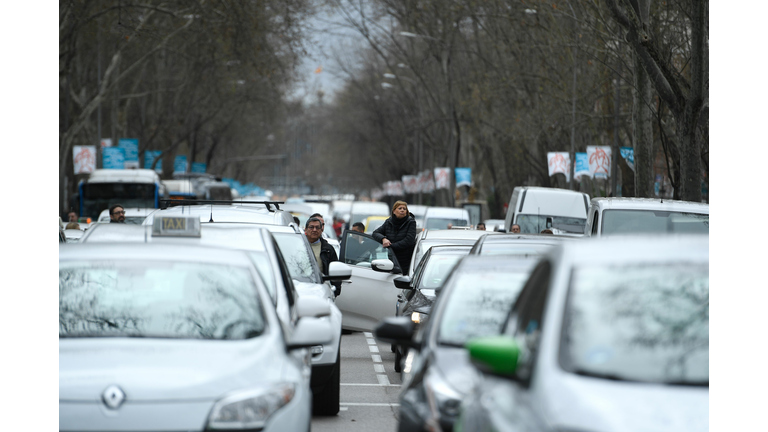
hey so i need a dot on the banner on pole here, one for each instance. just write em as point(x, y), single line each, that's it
point(427, 181)
point(442, 181)
point(599, 161)
point(559, 162)
point(463, 176)
point(131, 146)
point(628, 153)
point(410, 184)
point(180, 164)
point(198, 167)
point(582, 167)
point(113, 158)
point(84, 159)
point(106, 142)
point(149, 159)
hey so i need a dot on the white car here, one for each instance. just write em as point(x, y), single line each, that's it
point(606, 335)
point(445, 217)
point(428, 238)
point(621, 216)
point(177, 337)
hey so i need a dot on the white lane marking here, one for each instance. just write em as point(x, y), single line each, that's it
point(368, 334)
point(343, 408)
point(370, 404)
point(379, 368)
point(376, 358)
point(369, 385)
point(373, 348)
point(383, 380)
point(371, 342)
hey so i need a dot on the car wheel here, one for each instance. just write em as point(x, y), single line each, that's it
point(398, 358)
point(326, 402)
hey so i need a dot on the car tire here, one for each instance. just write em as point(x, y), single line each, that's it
point(398, 358)
point(326, 402)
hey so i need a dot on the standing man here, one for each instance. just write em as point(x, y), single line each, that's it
point(117, 214)
point(515, 229)
point(324, 253)
point(72, 216)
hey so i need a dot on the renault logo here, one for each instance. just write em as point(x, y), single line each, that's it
point(113, 397)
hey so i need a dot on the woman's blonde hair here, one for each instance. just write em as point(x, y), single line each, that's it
point(398, 204)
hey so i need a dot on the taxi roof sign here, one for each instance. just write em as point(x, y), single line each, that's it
point(176, 226)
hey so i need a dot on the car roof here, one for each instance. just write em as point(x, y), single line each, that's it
point(446, 211)
point(484, 263)
point(248, 213)
point(153, 252)
point(528, 238)
point(449, 250)
point(454, 234)
point(650, 204)
point(634, 249)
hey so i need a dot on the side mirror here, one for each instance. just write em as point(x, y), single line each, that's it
point(337, 271)
point(403, 282)
point(312, 307)
point(496, 355)
point(382, 265)
point(396, 330)
point(310, 332)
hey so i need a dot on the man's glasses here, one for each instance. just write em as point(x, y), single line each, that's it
point(118, 213)
point(316, 228)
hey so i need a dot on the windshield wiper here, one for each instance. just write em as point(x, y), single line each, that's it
point(612, 377)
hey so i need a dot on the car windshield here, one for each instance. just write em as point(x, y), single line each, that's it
point(639, 322)
point(478, 302)
point(442, 223)
point(646, 221)
point(424, 245)
point(534, 224)
point(297, 257)
point(436, 269)
point(512, 248)
point(135, 220)
point(158, 299)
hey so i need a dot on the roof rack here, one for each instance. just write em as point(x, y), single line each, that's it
point(165, 203)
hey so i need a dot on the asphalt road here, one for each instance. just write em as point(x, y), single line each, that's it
point(369, 388)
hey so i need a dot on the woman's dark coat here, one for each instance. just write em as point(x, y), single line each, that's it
point(402, 236)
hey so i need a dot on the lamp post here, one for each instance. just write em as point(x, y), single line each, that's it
point(445, 57)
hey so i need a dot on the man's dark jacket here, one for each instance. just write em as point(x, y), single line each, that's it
point(327, 256)
point(402, 237)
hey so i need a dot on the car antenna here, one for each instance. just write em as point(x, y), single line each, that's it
point(211, 220)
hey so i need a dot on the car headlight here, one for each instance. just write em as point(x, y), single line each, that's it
point(442, 395)
point(416, 317)
point(250, 409)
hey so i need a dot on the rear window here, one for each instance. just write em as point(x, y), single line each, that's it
point(158, 299)
point(653, 222)
point(443, 223)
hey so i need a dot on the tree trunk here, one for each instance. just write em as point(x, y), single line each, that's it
point(642, 133)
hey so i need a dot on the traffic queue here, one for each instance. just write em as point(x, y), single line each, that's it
point(230, 315)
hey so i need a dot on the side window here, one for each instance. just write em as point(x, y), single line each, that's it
point(360, 249)
point(595, 222)
point(285, 276)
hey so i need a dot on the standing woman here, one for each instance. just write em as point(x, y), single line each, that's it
point(399, 233)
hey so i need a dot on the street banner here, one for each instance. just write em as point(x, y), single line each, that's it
point(599, 161)
point(377, 194)
point(442, 181)
point(410, 184)
point(149, 159)
point(113, 158)
point(106, 142)
point(198, 167)
point(84, 159)
point(131, 146)
point(463, 177)
point(393, 188)
point(582, 167)
point(180, 164)
point(628, 153)
point(559, 162)
point(428, 186)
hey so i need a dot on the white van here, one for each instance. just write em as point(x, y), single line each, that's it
point(362, 209)
point(441, 217)
point(533, 207)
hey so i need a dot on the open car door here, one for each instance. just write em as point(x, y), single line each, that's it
point(369, 295)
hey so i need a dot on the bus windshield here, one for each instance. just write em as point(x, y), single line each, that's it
point(99, 196)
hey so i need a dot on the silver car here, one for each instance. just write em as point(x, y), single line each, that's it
point(606, 335)
point(177, 337)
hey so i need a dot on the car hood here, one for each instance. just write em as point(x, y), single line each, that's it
point(165, 369)
point(594, 404)
point(454, 366)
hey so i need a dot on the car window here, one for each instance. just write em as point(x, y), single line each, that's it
point(534, 224)
point(442, 223)
point(298, 258)
point(163, 299)
point(478, 303)
point(361, 250)
point(264, 267)
point(639, 322)
point(647, 222)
